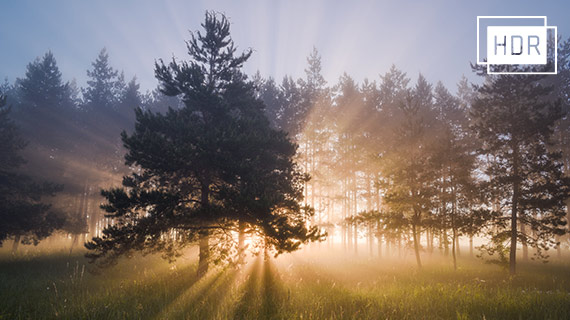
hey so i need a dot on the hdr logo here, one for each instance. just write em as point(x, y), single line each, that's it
point(516, 40)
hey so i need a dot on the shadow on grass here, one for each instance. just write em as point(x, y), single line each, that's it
point(140, 298)
point(263, 295)
point(60, 286)
point(203, 300)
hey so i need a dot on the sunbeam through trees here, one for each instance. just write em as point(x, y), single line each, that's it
point(222, 193)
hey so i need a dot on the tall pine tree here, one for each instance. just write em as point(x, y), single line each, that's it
point(514, 120)
point(212, 167)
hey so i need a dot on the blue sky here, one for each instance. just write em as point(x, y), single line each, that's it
point(363, 38)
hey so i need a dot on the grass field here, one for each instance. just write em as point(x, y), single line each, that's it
point(59, 286)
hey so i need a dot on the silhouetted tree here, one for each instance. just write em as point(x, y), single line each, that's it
point(47, 113)
point(206, 167)
point(103, 84)
point(46, 104)
point(514, 121)
point(42, 87)
point(23, 215)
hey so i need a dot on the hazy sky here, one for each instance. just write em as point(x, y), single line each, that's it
point(363, 38)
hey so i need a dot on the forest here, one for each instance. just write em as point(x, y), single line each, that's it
point(221, 194)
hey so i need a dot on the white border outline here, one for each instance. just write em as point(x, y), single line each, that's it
point(555, 28)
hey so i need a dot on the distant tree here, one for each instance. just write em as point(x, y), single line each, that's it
point(43, 87)
point(393, 89)
point(514, 121)
point(108, 107)
point(6, 88)
point(47, 113)
point(455, 161)
point(206, 169)
point(45, 103)
point(272, 97)
point(347, 123)
point(293, 113)
point(408, 164)
point(315, 80)
point(307, 113)
point(130, 95)
point(309, 121)
point(103, 85)
point(130, 98)
point(23, 215)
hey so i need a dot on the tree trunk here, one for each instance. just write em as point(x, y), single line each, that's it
point(399, 245)
point(457, 247)
point(416, 245)
point(453, 249)
point(515, 200)
point(378, 199)
point(567, 214)
point(455, 244)
point(370, 240)
point(445, 242)
point(241, 242)
point(524, 245)
point(74, 240)
point(431, 237)
point(427, 240)
point(204, 246)
point(379, 242)
point(471, 246)
point(534, 233)
point(355, 238)
point(204, 255)
point(16, 243)
point(440, 241)
point(266, 255)
point(349, 235)
point(343, 236)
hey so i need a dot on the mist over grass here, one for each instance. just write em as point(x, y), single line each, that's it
point(311, 284)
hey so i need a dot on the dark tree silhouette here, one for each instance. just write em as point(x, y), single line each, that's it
point(212, 167)
point(23, 215)
point(43, 87)
point(103, 86)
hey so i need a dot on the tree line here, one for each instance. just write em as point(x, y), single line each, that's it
point(414, 165)
point(68, 136)
point(213, 156)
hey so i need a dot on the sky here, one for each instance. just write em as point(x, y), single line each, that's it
point(361, 38)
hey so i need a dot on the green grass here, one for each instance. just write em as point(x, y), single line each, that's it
point(297, 286)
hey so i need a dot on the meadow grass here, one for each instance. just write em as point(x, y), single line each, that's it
point(304, 285)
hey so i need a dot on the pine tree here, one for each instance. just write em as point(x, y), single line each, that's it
point(23, 215)
point(455, 162)
point(43, 87)
point(409, 177)
point(272, 97)
point(514, 120)
point(294, 111)
point(46, 104)
point(561, 83)
point(208, 168)
point(102, 86)
point(129, 99)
